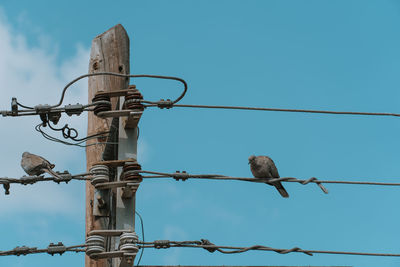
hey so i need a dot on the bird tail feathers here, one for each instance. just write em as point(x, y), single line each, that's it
point(53, 173)
point(281, 190)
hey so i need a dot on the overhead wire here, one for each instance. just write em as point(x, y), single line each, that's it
point(184, 176)
point(207, 245)
point(161, 104)
point(51, 249)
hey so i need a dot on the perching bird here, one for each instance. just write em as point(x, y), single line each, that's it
point(264, 167)
point(36, 165)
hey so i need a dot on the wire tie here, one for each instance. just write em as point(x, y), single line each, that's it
point(285, 251)
point(313, 179)
point(277, 180)
point(206, 242)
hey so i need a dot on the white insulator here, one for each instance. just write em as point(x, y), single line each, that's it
point(100, 169)
point(100, 174)
point(95, 244)
point(127, 242)
point(131, 248)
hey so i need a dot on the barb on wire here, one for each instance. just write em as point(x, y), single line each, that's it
point(184, 176)
point(169, 104)
point(52, 249)
point(25, 180)
point(207, 245)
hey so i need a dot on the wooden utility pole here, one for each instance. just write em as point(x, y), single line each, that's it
point(109, 53)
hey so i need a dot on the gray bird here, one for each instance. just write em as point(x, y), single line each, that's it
point(36, 165)
point(264, 167)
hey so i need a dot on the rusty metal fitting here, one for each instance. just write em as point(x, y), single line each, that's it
point(128, 243)
point(165, 104)
point(181, 175)
point(158, 244)
point(95, 244)
point(129, 172)
point(104, 105)
point(133, 98)
point(58, 248)
point(100, 174)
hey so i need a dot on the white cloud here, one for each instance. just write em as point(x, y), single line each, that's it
point(172, 232)
point(35, 76)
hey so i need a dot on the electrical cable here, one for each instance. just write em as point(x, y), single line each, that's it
point(124, 76)
point(184, 176)
point(162, 103)
point(207, 245)
point(142, 226)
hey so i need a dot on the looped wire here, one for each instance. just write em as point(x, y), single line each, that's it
point(294, 250)
point(313, 179)
point(206, 242)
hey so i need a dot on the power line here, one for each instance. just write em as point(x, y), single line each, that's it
point(59, 248)
point(25, 180)
point(207, 245)
point(123, 76)
point(184, 176)
point(52, 249)
point(165, 104)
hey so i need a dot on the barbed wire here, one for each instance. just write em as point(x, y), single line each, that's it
point(183, 176)
point(52, 249)
point(207, 245)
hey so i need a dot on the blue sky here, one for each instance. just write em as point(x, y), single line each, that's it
point(337, 55)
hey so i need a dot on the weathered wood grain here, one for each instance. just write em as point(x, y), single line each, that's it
point(109, 53)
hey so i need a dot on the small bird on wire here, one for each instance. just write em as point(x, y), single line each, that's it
point(36, 165)
point(264, 167)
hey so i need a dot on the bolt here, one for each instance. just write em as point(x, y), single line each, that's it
point(129, 260)
point(95, 65)
point(101, 202)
